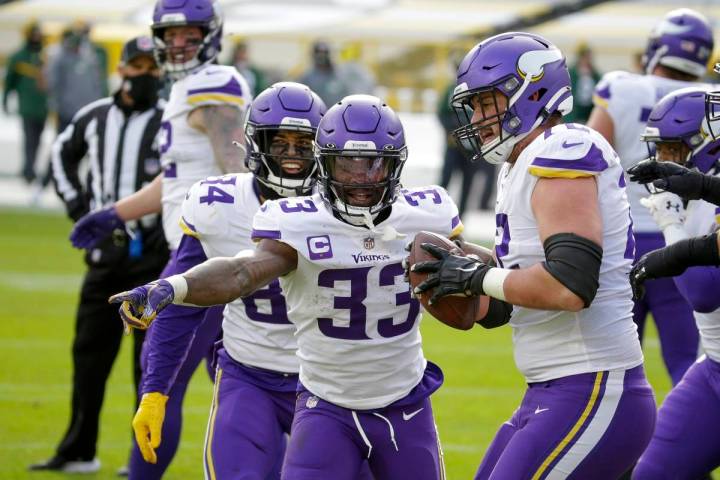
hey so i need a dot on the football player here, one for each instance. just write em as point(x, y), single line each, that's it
point(682, 445)
point(202, 118)
point(676, 56)
point(364, 381)
point(564, 246)
point(689, 184)
point(258, 363)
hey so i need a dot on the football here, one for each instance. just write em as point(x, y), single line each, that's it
point(454, 311)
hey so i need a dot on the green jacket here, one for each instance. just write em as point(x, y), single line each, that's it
point(24, 75)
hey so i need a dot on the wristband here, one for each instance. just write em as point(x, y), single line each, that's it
point(180, 288)
point(494, 281)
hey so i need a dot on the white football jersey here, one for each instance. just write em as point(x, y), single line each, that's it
point(256, 331)
point(357, 326)
point(185, 152)
point(553, 344)
point(704, 218)
point(629, 98)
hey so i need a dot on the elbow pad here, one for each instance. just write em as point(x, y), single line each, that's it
point(498, 314)
point(575, 262)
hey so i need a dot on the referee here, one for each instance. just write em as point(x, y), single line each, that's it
point(117, 136)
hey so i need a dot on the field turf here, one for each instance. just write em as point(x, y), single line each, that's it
point(39, 278)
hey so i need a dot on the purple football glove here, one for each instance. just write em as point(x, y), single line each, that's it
point(141, 305)
point(94, 227)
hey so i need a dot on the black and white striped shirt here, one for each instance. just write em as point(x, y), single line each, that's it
point(121, 149)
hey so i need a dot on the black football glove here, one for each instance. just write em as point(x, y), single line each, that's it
point(671, 177)
point(673, 260)
point(450, 274)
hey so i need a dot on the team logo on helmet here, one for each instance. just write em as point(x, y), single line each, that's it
point(532, 64)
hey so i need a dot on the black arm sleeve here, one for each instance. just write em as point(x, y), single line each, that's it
point(498, 314)
point(575, 262)
point(711, 189)
point(68, 150)
point(676, 258)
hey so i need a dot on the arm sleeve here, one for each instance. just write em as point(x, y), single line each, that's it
point(68, 150)
point(699, 286)
point(168, 347)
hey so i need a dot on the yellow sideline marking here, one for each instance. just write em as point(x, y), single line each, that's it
point(571, 434)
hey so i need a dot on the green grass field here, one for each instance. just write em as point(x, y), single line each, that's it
point(39, 278)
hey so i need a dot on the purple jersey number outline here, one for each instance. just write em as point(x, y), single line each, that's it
point(422, 195)
point(215, 193)
point(358, 278)
point(278, 306)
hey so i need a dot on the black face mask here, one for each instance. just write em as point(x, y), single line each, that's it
point(143, 89)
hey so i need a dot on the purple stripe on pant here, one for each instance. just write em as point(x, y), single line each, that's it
point(399, 441)
point(686, 442)
point(588, 426)
point(673, 316)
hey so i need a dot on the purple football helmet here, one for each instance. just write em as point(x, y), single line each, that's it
point(290, 107)
point(683, 41)
point(204, 14)
point(529, 72)
point(360, 149)
point(712, 110)
point(679, 117)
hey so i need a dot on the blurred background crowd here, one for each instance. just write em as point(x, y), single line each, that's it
point(59, 56)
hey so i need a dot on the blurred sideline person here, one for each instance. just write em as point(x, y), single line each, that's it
point(683, 446)
point(252, 74)
point(24, 76)
point(676, 56)
point(323, 76)
point(365, 384)
point(583, 78)
point(126, 126)
point(76, 76)
point(202, 119)
point(356, 76)
point(564, 247)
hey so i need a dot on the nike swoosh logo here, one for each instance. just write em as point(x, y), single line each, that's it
point(540, 410)
point(565, 144)
point(407, 416)
point(471, 269)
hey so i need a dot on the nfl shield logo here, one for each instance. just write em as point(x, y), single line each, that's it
point(369, 243)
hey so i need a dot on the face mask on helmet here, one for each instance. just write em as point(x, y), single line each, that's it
point(712, 111)
point(280, 130)
point(507, 86)
point(187, 35)
point(283, 160)
point(676, 131)
point(360, 149)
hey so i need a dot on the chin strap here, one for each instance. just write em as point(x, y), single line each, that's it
point(387, 232)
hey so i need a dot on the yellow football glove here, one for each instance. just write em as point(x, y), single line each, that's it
point(148, 423)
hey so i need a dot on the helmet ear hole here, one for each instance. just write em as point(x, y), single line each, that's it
point(537, 95)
